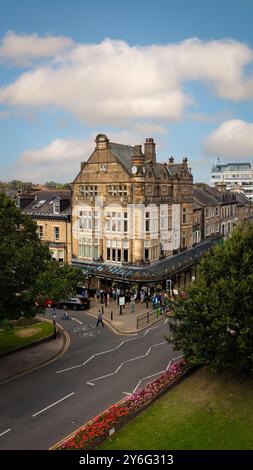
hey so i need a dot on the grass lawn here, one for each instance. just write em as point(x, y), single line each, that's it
point(21, 336)
point(205, 411)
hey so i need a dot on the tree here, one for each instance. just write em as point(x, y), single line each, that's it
point(214, 325)
point(27, 273)
point(22, 257)
point(56, 282)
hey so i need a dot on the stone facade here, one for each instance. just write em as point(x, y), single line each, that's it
point(57, 233)
point(51, 211)
point(129, 209)
point(220, 210)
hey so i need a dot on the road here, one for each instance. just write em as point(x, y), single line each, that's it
point(99, 369)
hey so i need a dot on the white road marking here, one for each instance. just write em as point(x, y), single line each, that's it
point(134, 390)
point(105, 352)
point(53, 404)
point(99, 378)
point(114, 349)
point(88, 360)
point(151, 328)
point(174, 358)
point(125, 362)
point(5, 432)
point(156, 373)
point(69, 368)
point(78, 321)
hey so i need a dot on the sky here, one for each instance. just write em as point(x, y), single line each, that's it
point(180, 72)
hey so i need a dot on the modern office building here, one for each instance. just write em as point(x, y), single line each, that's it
point(238, 177)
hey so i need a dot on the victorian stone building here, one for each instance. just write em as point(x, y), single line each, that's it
point(128, 209)
point(217, 210)
point(51, 211)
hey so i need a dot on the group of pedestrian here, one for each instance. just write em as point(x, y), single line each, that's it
point(103, 296)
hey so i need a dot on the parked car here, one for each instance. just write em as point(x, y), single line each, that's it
point(74, 303)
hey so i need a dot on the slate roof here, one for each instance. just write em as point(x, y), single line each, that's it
point(42, 203)
point(209, 196)
point(124, 153)
point(196, 205)
point(241, 198)
point(175, 168)
point(222, 196)
point(202, 197)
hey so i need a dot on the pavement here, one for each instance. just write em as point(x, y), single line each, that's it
point(33, 357)
point(124, 321)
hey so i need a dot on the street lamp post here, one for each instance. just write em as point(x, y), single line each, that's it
point(54, 322)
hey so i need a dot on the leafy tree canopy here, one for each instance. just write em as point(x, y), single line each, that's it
point(27, 274)
point(214, 325)
point(56, 282)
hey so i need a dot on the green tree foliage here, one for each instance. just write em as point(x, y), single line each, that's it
point(27, 273)
point(214, 325)
point(56, 282)
point(22, 257)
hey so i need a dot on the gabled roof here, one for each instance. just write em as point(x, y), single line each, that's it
point(175, 168)
point(124, 153)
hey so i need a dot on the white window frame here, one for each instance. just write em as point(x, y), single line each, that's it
point(56, 238)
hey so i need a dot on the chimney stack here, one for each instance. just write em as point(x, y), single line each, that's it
point(149, 151)
point(221, 186)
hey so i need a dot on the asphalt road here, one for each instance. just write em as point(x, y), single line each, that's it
point(99, 368)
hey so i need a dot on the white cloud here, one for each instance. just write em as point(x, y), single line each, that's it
point(22, 50)
point(60, 160)
point(112, 82)
point(233, 139)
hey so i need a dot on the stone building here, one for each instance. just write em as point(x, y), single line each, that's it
point(128, 209)
point(221, 210)
point(51, 211)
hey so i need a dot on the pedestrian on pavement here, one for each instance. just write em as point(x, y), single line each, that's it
point(100, 318)
point(132, 302)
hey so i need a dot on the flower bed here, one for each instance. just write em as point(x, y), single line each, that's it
point(99, 428)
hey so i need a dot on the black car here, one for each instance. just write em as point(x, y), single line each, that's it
point(75, 303)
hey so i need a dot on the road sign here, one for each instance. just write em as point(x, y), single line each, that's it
point(122, 301)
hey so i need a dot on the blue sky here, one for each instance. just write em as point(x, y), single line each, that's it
point(181, 72)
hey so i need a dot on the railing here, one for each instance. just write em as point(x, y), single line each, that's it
point(150, 317)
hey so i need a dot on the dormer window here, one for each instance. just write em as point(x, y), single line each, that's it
point(56, 206)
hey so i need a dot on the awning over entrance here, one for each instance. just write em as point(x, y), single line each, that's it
point(158, 271)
